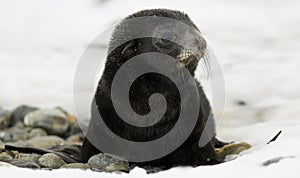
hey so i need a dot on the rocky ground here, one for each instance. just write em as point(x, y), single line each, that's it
point(51, 139)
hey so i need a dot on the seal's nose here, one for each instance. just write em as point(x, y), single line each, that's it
point(194, 49)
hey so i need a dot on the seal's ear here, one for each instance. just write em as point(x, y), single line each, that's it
point(129, 48)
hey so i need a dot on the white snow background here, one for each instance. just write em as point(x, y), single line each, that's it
point(257, 43)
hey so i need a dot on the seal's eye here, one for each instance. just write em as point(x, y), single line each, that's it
point(167, 38)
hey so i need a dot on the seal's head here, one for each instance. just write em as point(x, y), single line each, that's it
point(159, 30)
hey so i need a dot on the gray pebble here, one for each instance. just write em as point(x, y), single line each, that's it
point(4, 119)
point(6, 136)
point(5, 157)
point(1, 146)
point(51, 161)
point(108, 163)
point(27, 157)
point(19, 134)
point(25, 164)
point(52, 120)
point(76, 166)
point(45, 142)
point(19, 113)
point(37, 132)
point(75, 138)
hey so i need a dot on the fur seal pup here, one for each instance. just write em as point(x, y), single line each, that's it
point(188, 153)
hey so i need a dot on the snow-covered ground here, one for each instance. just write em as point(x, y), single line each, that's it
point(257, 43)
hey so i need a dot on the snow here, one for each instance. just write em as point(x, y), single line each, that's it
point(256, 42)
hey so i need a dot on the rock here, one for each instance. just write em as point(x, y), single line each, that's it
point(45, 142)
point(76, 166)
point(3, 164)
point(25, 164)
point(51, 161)
point(28, 157)
point(4, 119)
point(19, 113)
point(16, 133)
point(74, 129)
point(19, 125)
point(52, 120)
point(1, 146)
point(5, 157)
point(230, 149)
point(76, 139)
point(19, 134)
point(71, 119)
point(108, 163)
point(6, 136)
point(37, 132)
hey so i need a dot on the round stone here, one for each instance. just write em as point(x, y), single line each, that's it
point(45, 142)
point(51, 161)
point(108, 163)
point(76, 166)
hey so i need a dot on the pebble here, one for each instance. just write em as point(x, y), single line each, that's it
point(54, 121)
point(4, 119)
point(51, 161)
point(76, 139)
point(6, 136)
point(19, 134)
point(108, 163)
point(19, 113)
point(5, 157)
point(45, 142)
point(37, 132)
point(76, 166)
point(25, 163)
point(1, 146)
point(28, 157)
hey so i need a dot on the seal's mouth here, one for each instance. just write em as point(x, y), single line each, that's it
point(186, 57)
point(193, 51)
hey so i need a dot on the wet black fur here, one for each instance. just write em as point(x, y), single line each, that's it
point(189, 153)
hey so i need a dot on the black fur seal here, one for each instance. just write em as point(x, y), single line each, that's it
point(189, 153)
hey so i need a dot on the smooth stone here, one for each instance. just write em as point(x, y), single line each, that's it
point(75, 138)
point(4, 119)
point(1, 146)
point(19, 113)
point(74, 129)
point(52, 120)
point(37, 132)
point(3, 164)
point(19, 134)
point(28, 157)
point(45, 142)
point(19, 125)
point(6, 136)
point(51, 161)
point(25, 163)
point(5, 157)
point(109, 163)
point(76, 166)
